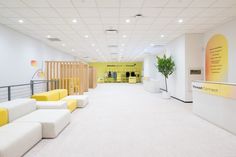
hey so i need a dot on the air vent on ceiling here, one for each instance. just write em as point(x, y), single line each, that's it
point(157, 45)
point(113, 46)
point(86, 57)
point(54, 39)
point(114, 53)
point(111, 31)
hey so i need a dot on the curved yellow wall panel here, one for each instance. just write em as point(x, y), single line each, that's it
point(217, 59)
point(3, 116)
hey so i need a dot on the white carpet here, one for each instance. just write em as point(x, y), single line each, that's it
point(123, 120)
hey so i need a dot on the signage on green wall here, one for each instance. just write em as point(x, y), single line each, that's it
point(119, 65)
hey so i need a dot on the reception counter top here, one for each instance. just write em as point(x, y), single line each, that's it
point(227, 90)
point(212, 82)
point(216, 102)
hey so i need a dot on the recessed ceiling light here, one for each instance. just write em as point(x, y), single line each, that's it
point(74, 21)
point(63, 45)
point(97, 50)
point(180, 20)
point(162, 36)
point(127, 20)
point(122, 44)
point(86, 36)
point(124, 36)
point(21, 21)
point(92, 45)
point(152, 44)
point(48, 36)
point(73, 50)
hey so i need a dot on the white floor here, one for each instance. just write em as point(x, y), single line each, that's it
point(123, 120)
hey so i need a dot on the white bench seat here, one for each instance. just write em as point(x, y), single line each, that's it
point(18, 138)
point(52, 121)
point(51, 105)
point(82, 100)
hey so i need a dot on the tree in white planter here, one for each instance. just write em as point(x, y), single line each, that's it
point(166, 67)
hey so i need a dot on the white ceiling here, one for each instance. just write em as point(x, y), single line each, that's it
point(160, 17)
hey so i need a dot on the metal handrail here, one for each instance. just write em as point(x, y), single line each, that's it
point(26, 84)
point(31, 84)
point(15, 85)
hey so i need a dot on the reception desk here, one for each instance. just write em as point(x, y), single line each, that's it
point(132, 79)
point(216, 102)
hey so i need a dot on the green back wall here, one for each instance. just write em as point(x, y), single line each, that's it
point(104, 67)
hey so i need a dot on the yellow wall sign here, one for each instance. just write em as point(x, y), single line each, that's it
point(217, 59)
point(223, 90)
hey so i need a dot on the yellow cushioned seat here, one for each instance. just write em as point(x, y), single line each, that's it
point(71, 104)
point(40, 96)
point(56, 95)
point(47, 96)
point(3, 116)
point(62, 93)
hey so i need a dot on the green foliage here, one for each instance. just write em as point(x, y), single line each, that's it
point(165, 65)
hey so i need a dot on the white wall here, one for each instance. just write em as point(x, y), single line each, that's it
point(176, 82)
point(194, 59)
point(149, 66)
point(150, 70)
point(229, 31)
point(187, 53)
point(16, 52)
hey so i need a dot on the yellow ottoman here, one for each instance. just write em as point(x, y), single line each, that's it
point(62, 92)
point(47, 96)
point(71, 104)
point(3, 116)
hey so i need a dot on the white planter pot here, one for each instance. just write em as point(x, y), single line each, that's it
point(165, 95)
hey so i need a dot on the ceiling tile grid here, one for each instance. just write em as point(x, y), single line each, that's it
point(142, 25)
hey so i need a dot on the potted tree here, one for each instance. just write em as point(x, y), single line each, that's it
point(166, 67)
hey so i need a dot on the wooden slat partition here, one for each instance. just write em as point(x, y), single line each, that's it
point(86, 77)
point(71, 75)
point(92, 77)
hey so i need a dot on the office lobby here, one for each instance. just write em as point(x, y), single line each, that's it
point(120, 78)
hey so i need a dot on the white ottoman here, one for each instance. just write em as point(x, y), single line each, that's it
point(18, 138)
point(19, 107)
point(82, 99)
point(52, 121)
point(51, 105)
